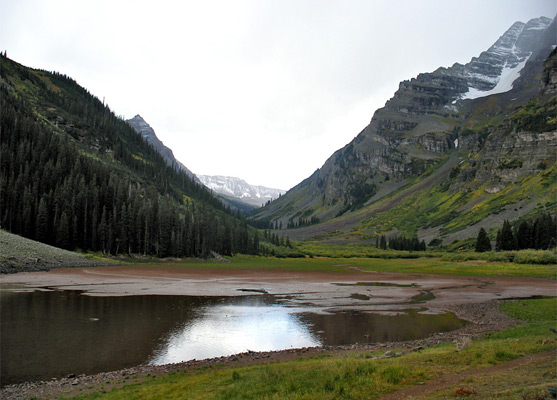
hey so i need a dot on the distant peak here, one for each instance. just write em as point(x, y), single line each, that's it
point(137, 118)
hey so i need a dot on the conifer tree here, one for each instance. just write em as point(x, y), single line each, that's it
point(482, 242)
point(383, 242)
point(507, 239)
point(42, 224)
point(524, 237)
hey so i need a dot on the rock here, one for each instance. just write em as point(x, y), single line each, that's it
point(426, 123)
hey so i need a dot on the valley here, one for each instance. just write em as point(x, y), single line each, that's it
point(419, 261)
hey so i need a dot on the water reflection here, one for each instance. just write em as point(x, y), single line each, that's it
point(230, 329)
point(57, 333)
point(363, 327)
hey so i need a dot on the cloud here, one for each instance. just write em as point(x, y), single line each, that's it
point(264, 90)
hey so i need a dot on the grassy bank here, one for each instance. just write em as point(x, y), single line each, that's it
point(368, 376)
point(421, 265)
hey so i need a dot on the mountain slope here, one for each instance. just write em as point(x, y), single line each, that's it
point(422, 151)
point(234, 192)
point(145, 130)
point(74, 175)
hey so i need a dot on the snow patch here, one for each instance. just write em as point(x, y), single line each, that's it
point(505, 83)
point(456, 143)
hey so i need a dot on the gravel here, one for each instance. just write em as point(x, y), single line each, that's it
point(18, 254)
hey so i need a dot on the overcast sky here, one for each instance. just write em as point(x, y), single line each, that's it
point(264, 90)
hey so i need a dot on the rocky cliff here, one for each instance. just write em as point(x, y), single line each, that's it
point(458, 124)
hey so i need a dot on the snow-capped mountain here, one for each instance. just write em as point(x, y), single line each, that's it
point(496, 69)
point(230, 187)
point(241, 190)
point(145, 130)
point(445, 121)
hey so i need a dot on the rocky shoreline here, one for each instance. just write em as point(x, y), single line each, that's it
point(18, 254)
point(483, 318)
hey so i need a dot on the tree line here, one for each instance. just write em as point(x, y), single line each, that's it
point(400, 242)
point(302, 221)
point(539, 233)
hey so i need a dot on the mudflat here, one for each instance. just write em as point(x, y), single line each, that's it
point(470, 298)
point(354, 289)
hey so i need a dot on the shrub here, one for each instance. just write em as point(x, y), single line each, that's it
point(535, 257)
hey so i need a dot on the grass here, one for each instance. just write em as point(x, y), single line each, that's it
point(420, 265)
point(361, 376)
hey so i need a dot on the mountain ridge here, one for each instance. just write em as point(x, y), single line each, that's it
point(237, 188)
point(415, 133)
point(148, 133)
point(232, 189)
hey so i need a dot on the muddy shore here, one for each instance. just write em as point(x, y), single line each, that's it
point(471, 298)
point(361, 290)
point(484, 317)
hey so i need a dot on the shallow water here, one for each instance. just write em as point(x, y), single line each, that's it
point(47, 334)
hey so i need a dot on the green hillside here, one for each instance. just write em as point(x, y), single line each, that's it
point(456, 169)
point(76, 176)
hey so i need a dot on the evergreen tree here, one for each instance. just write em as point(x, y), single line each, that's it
point(383, 242)
point(482, 242)
point(507, 239)
point(544, 231)
point(123, 198)
point(524, 236)
point(42, 224)
point(63, 234)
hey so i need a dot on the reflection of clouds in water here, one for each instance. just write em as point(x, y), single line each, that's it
point(230, 329)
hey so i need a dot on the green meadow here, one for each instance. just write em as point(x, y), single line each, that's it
point(474, 264)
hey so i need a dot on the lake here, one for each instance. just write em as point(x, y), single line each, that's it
point(51, 334)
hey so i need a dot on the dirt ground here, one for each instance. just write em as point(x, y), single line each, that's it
point(365, 291)
point(470, 298)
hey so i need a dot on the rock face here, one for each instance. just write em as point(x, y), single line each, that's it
point(436, 119)
point(145, 130)
point(548, 84)
point(496, 69)
point(239, 189)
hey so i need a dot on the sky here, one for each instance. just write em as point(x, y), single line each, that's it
point(264, 90)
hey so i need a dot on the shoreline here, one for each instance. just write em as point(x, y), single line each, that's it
point(366, 291)
point(474, 299)
point(483, 317)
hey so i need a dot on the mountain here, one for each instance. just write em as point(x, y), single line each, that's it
point(145, 130)
point(76, 176)
point(453, 150)
point(238, 189)
point(234, 192)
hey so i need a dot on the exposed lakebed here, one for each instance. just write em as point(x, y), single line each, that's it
point(54, 333)
point(88, 320)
